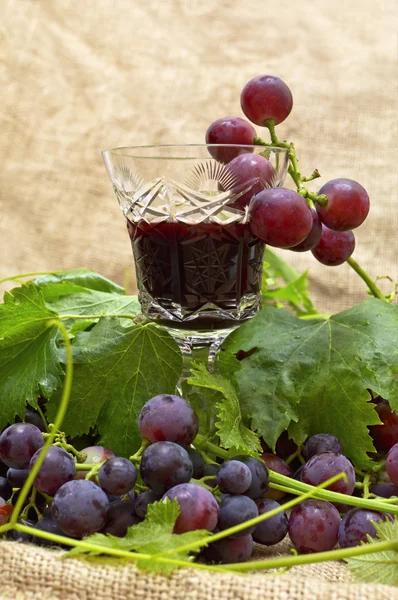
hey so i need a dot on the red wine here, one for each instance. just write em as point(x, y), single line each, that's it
point(207, 273)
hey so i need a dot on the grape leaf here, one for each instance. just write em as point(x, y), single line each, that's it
point(29, 357)
point(378, 567)
point(312, 376)
point(230, 427)
point(80, 278)
point(117, 370)
point(152, 536)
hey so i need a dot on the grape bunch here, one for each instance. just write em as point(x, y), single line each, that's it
point(215, 495)
point(296, 220)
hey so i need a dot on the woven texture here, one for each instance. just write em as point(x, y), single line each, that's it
point(80, 77)
point(35, 574)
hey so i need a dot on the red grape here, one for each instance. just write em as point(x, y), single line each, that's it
point(95, 454)
point(347, 207)
point(392, 464)
point(229, 130)
point(385, 435)
point(357, 524)
point(322, 467)
point(334, 247)
point(228, 550)
point(280, 217)
point(168, 418)
point(314, 235)
point(198, 507)
point(277, 464)
point(251, 169)
point(314, 526)
point(266, 97)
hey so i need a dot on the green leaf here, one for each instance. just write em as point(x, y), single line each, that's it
point(117, 370)
point(80, 278)
point(29, 358)
point(378, 567)
point(95, 303)
point(152, 536)
point(276, 267)
point(230, 427)
point(313, 376)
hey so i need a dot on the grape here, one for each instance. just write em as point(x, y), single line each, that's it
point(323, 466)
point(18, 443)
point(235, 510)
point(5, 489)
point(19, 536)
point(356, 524)
point(277, 464)
point(51, 526)
point(259, 484)
point(164, 465)
point(211, 471)
point(385, 490)
point(143, 500)
point(95, 455)
point(56, 469)
point(314, 526)
point(229, 130)
point(34, 419)
point(80, 508)
point(253, 171)
point(347, 206)
point(297, 474)
point(120, 516)
point(314, 235)
point(284, 446)
point(234, 477)
point(168, 418)
point(272, 530)
point(198, 507)
point(321, 442)
point(3, 469)
point(334, 247)
point(17, 477)
point(280, 217)
point(266, 97)
point(117, 476)
point(385, 435)
point(392, 464)
point(229, 550)
point(197, 462)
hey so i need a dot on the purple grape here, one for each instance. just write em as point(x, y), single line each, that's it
point(51, 526)
point(266, 97)
point(234, 477)
point(168, 418)
point(229, 130)
point(235, 510)
point(324, 466)
point(198, 507)
point(198, 463)
point(34, 419)
point(259, 471)
point(5, 489)
point(347, 206)
point(319, 443)
point(120, 517)
point(334, 247)
point(211, 470)
point(392, 464)
point(80, 508)
point(18, 443)
point(117, 476)
point(229, 550)
point(356, 524)
point(164, 465)
point(57, 469)
point(95, 455)
point(17, 477)
point(253, 170)
point(142, 502)
point(314, 526)
point(385, 489)
point(277, 464)
point(280, 217)
point(272, 530)
point(314, 235)
point(385, 435)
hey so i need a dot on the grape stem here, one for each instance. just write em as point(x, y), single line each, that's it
point(135, 458)
point(374, 289)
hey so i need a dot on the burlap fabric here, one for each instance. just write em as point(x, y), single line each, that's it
point(77, 77)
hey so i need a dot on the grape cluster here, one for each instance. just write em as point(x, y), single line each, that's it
point(216, 495)
point(297, 220)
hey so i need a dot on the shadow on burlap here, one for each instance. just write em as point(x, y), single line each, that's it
point(31, 573)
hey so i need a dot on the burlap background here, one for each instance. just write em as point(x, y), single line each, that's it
point(77, 77)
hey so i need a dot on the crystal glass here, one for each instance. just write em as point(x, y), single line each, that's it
point(198, 265)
